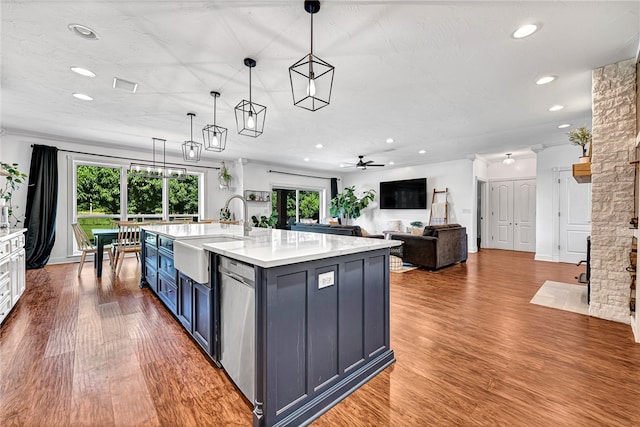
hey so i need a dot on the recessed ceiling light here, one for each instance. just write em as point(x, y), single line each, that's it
point(306, 159)
point(82, 96)
point(83, 71)
point(556, 108)
point(392, 163)
point(83, 31)
point(563, 126)
point(319, 146)
point(342, 165)
point(389, 140)
point(422, 151)
point(544, 80)
point(525, 31)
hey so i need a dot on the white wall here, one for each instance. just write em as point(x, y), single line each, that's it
point(256, 176)
point(550, 160)
point(17, 148)
point(522, 168)
point(456, 175)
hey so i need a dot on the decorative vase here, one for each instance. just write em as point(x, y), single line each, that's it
point(4, 217)
point(584, 159)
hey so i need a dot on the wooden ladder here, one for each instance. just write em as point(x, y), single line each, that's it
point(446, 205)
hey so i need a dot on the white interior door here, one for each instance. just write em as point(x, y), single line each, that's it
point(524, 216)
point(575, 218)
point(502, 215)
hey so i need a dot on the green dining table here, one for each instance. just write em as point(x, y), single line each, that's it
point(102, 236)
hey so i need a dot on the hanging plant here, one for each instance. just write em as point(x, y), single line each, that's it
point(224, 177)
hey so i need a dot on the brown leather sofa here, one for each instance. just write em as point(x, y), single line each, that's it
point(439, 246)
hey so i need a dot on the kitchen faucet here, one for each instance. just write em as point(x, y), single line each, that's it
point(246, 225)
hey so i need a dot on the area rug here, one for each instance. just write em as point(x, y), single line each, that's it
point(563, 296)
point(403, 269)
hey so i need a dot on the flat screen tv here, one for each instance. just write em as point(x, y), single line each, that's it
point(405, 194)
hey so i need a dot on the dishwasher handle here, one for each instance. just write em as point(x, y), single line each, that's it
point(237, 277)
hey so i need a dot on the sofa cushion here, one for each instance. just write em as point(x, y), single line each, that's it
point(429, 231)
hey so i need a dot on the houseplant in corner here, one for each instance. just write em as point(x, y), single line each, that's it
point(348, 206)
point(581, 136)
point(13, 177)
point(417, 227)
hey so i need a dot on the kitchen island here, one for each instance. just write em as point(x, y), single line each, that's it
point(298, 320)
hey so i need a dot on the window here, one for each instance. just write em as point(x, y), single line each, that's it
point(144, 198)
point(106, 193)
point(296, 205)
point(97, 196)
point(183, 197)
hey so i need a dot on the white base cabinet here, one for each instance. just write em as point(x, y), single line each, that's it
point(12, 269)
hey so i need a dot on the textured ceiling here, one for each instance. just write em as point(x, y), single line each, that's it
point(444, 76)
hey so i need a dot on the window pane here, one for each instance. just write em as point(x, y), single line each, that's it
point(97, 196)
point(309, 205)
point(183, 197)
point(98, 191)
point(144, 197)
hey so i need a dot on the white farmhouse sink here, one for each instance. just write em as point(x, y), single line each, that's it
point(192, 260)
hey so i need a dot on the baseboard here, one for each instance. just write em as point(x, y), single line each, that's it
point(547, 258)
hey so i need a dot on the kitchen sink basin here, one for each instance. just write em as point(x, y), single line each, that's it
point(192, 260)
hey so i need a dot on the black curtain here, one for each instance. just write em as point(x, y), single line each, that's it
point(42, 203)
point(334, 187)
point(334, 191)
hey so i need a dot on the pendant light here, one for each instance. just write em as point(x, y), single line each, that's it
point(311, 77)
point(214, 137)
point(509, 160)
point(191, 150)
point(249, 115)
point(157, 170)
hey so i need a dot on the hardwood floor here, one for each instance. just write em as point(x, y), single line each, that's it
point(470, 351)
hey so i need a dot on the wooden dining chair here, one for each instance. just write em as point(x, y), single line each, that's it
point(128, 241)
point(86, 246)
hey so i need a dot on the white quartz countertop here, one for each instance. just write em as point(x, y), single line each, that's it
point(270, 248)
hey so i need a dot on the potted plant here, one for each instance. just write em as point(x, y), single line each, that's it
point(264, 221)
point(581, 136)
point(417, 227)
point(224, 178)
point(349, 206)
point(13, 178)
point(225, 214)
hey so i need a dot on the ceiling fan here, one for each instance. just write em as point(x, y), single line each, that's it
point(362, 164)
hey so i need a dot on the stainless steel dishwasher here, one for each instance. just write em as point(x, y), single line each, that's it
point(237, 323)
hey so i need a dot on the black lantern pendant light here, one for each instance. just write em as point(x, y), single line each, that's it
point(311, 77)
point(249, 115)
point(214, 137)
point(191, 150)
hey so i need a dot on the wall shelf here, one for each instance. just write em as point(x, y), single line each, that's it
point(582, 172)
point(257, 196)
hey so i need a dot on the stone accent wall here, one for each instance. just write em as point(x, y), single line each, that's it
point(612, 180)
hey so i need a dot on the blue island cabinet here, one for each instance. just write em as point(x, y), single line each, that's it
point(322, 331)
point(189, 301)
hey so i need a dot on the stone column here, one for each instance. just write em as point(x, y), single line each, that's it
point(612, 178)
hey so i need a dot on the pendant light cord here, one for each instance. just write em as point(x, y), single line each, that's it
point(191, 141)
point(214, 111)
point(250, 103)
point(311, 53)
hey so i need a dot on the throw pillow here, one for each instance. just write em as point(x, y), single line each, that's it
point(429, 231)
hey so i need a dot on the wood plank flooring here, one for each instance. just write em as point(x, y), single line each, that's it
point(470, 349)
